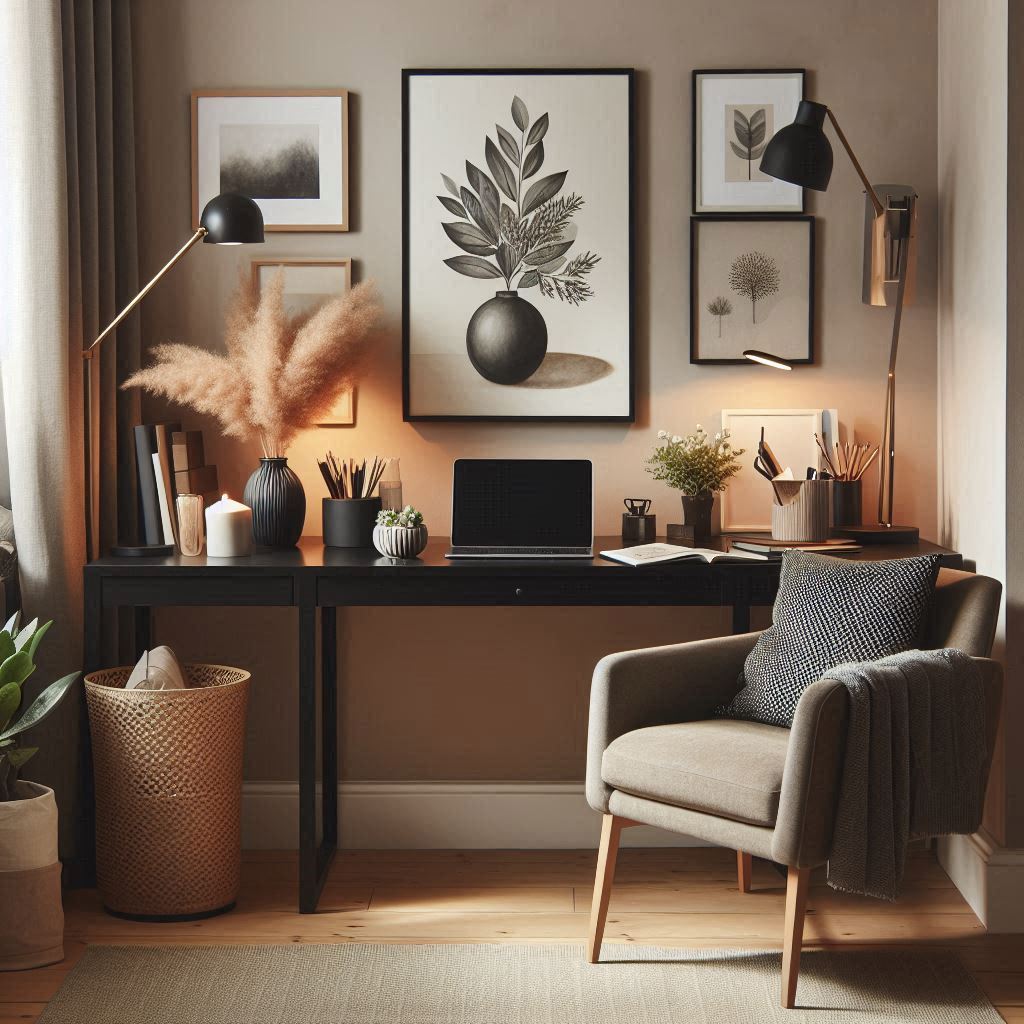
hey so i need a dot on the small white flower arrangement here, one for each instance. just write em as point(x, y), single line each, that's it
point(695, 464)
point(407, 517)
point(400, 534)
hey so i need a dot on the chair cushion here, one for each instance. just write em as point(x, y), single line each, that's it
point(828, 612)
point(731, 769)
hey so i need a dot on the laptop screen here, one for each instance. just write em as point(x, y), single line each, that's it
point(523, 503)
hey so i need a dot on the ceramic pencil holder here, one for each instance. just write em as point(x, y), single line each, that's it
point(349, 522)
point(803, 515)
point(846, 503)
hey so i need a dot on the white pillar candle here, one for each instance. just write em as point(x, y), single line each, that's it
point(228, 529)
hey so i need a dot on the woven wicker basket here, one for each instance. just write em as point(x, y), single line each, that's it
point(168, 771)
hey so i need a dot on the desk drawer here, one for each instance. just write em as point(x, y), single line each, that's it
point(157, 591)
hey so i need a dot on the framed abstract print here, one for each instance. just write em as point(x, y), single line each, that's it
point(286, 149)
point(518, 244)
point(751, 287)
point(735, 115)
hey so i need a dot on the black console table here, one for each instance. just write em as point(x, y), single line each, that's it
point(318, 580)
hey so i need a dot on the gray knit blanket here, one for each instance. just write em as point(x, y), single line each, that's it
point(913, 767)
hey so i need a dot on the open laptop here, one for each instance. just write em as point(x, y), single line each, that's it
point(522, 508)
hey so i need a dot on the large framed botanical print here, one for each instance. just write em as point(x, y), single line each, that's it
point(518, 244)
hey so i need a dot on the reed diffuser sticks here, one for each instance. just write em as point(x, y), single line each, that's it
point(352, 479)
point(848, 461)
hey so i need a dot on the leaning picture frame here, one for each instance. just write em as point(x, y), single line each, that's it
point(518, 244)
point(286, 149)
point(735, 114)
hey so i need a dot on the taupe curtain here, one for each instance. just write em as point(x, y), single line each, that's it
point(67, 218)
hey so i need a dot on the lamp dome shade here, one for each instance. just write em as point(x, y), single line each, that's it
point(801, 153)
point(231, 219)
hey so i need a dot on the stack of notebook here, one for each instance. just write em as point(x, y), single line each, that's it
point(763, 544)
point(170, 462)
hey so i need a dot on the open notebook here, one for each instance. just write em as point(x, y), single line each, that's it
point(652, 554)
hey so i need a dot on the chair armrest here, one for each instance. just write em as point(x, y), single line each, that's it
point(658, 686)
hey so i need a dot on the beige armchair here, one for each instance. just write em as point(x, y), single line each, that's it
point(656, 756)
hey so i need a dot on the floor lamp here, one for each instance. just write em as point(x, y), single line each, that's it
point(801, 153)
point(227, 219)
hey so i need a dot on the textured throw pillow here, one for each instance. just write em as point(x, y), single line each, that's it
point(830, 611)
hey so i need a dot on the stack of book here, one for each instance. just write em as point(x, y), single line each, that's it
point(170, 462)
point(763, 544)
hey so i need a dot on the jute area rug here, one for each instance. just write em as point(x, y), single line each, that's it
point(352, 983)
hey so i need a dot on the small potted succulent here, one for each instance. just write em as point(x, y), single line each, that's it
point(33, 931)
point(400, 534)
point(698, 466)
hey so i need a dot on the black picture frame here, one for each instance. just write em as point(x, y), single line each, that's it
point(408, 415)
point(710, 218)
point(695, 121)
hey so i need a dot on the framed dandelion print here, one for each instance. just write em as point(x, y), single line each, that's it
point(518, 244)
point(751, 287)
point(286, 149)
point(735, 115)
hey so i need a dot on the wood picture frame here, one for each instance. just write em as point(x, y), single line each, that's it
point(774, 93)
point(453, 137)
point(277, 130)
point(774, 246)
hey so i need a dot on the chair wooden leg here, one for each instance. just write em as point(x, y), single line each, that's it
point(744, 865)
point(796, 908)
point(611, 828)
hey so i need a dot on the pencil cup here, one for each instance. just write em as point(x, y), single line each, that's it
point(349, 522)
point(846, 503)
point(803, 517)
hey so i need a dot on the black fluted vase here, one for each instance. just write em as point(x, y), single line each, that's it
point(278, 503)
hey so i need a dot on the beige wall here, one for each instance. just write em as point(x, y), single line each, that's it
point(502, 693)
point(972, 169)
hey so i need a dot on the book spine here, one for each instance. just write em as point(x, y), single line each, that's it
point(145, 447)
point(165, 508)
point(163, 448)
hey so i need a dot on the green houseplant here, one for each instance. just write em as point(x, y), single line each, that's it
point(699, 467)
point(33, 931)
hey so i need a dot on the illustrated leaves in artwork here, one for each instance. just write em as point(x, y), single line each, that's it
point(750, 133)
point(467, 236)
point(550, 268)
point(484, 221)
point(453, 206)
point(533, 160)
point(506, 259)
point(542, 191)
point(520, 114)
point(450, 185)
point(538, 131)
point(503, 175)
point(546, 253)
point(472, 266)
point(529, 280)
point(508, 144)
point(482, 185)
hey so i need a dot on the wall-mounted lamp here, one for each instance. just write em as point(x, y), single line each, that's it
point(801, 153)
point(766, 359)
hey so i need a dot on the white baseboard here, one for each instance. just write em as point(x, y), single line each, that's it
point(442, 815)
point(989, 877)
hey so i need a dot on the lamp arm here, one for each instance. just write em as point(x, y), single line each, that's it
point(199, 234)
point(872, 194)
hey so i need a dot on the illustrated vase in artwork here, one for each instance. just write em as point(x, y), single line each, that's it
point(697, 513)
point(278, 503)
point(507, 339)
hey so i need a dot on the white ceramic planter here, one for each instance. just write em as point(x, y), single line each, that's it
point(32, 934)
point(400, 541)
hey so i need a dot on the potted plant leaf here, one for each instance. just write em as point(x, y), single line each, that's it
point(699, 467)
point(515, 227)
point(400, 534)
point(33, 920)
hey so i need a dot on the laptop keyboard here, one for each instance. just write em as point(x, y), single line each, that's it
point(518, 552)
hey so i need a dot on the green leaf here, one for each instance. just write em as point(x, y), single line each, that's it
point(508, 144)
point(471, 266)
point(25, 635)
point(506, 259)
point(37, 639)
point(480, 216)
point(538, 131)
point(20, 755)
point(10, 699)
point(547, 253)
point(529, 280)
point(450, 185)
point(16, 669)
point(453, 206)
point(484, 188)
point(11, 626)
point(469, 237)
point(542, 191)
point(6, 646)
point(533, 160)
point(520, 114)
point(41, 706)
point(500, 169)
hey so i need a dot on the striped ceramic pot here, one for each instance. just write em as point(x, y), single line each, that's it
point(400, 541)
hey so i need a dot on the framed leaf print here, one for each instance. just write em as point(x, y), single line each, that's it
point(518, 244)
point(735, 115)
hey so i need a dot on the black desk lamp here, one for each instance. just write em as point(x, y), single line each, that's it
point(801, 153)
point(227, 219)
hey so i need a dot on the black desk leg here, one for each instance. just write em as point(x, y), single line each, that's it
point(740, 616)
point(329, 724)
